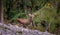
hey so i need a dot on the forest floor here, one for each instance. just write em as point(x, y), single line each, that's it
point(15, 30)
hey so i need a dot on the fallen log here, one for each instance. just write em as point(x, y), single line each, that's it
point(15, 28)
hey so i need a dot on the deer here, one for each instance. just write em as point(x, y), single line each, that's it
point(26, 22)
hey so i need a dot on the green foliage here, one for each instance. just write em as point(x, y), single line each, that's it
point(44, 8)
point(29, 3)
point(47, 13)
point(13, 9)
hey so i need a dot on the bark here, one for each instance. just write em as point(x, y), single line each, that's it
point(2, 11)
point(15, 28)
point(11, 27)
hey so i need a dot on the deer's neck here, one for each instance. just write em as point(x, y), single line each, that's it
point(30, 19)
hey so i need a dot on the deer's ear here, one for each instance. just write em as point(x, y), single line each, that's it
point(29, 14)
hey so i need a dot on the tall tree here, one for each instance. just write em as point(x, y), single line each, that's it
point(2, 11)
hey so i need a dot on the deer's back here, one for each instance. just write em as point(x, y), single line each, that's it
point(23, 21)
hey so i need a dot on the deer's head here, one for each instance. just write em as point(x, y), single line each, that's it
point(31, 17)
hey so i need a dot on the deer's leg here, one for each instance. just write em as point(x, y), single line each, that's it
point(32, 23)
point(24, 25)
point(20, 25)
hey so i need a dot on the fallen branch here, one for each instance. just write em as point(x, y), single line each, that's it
point(12, 27)
point(15, 28)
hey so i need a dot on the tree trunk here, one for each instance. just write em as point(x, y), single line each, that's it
point(58, 8)
point(2, 11)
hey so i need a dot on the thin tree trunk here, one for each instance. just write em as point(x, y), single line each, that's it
point(2, 11)
point(25, 8)
point(58, 7)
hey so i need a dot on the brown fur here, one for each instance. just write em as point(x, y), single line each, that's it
point(23, 21)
